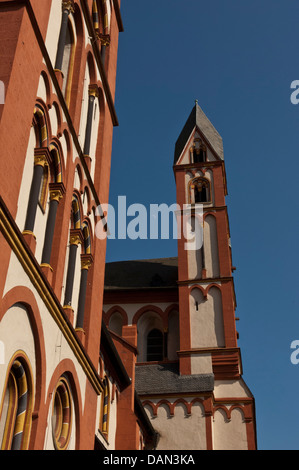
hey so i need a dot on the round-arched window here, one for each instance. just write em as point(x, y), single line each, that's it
point(62, 414)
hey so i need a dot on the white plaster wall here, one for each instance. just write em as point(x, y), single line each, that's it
point(26, 182)
point(206, 322)
point(16, 335)
point(229, 434)
point(94, 136)
point(77, 181)
point(56, 346)
point(195, 264)
point(180, 432)
point(116, 323)
point(53, 30)
point(201, 364)
point(231, 388)
point(41, 90)
point(84, 108)
point(211, 247)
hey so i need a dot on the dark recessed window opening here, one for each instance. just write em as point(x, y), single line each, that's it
point(155, 345)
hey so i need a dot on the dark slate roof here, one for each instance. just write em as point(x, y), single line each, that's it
point(161, 379)
point(198, 119)
point(138, 274)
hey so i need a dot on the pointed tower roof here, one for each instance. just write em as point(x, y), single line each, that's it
point(198, 119)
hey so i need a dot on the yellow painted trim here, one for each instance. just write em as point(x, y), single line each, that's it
point(40, 285)
point(28, 232)
point(47, 265)
point(30, 404)
point(11, 412)
point(63, 426)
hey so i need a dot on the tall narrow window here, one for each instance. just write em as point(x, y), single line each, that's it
point(199, 154)
point(155, 345)
point(100, 14)
point(200, 191)
point(56, 191)
point(67, 62)
point(16, 410)
point(105, 408)
point(66, 49)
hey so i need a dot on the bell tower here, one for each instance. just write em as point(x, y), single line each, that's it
point(208, 336)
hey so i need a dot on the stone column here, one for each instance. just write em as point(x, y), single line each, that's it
point(40, 161)
point(86, 262)
point(76, 239)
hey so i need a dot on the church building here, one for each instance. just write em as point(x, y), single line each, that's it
point(180, 312)
point(63, 384)
point(137, 355)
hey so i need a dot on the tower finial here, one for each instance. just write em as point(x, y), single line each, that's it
point(196, 101)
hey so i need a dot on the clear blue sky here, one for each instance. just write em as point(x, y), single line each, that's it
point(238, 59)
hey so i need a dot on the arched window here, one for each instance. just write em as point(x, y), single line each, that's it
point(104, 424)
point(155, 345)
point(199, 154)
point(62, 415)
point(116, 323)
point(200, 191)
point(56, 192)
point(15, 421)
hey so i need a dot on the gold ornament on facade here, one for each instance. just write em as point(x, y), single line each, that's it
point(40, 160)
point(86, 261)
point(55, 195)
point(68, 5)
point(93, 90)
point(75, 239)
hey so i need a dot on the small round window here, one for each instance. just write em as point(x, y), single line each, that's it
point(61, 417)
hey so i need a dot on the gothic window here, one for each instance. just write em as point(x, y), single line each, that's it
point(62, 415)
point(155, 345)
point(16, 409)
point(199, 154)
point(104, 425)
point(116, 323)
point(200, 191)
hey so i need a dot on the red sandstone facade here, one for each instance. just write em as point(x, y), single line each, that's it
point(189, 371)
point(63, 384)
